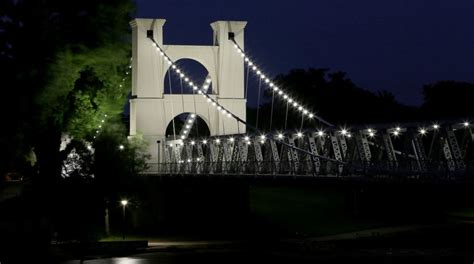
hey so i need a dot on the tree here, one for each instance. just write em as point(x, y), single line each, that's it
point(64, 63)
point(335, 98)
point(448, 99)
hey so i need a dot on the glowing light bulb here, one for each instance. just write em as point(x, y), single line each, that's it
point(204, 142)
point(280, 136)
point(192, 143)
point(422, 131)
point(299, 134)
point(320, 133)
point(371, 134)
point(262, 137)
point(435, 126)
point(466, 124)
point(231, 139)
point(396, 133)
point(311, 115)
point(218, 141)
point(344, 132)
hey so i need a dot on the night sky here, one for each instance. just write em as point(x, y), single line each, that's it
point(396, 45)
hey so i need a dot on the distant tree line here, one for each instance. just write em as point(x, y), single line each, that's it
point(337, 99)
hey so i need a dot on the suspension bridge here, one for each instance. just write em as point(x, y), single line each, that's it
point(424, 150)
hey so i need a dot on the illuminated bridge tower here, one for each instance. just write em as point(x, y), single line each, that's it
point(151, 110)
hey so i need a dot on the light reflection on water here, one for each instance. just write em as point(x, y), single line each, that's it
point(109, 261)
point(126, 261)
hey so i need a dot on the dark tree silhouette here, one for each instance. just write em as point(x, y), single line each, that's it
point(335, 98)
point(448, 99)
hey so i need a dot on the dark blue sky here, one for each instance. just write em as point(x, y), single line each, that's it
point(397, 45)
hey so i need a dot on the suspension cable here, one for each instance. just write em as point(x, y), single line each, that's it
point(302, 121)
point(182, 92)
point(195, 112)
point(258, 100)
point(271, 112)
point(230, 114)
point(247, 83)
point(172, 108)
point(270, 84)
point(286, 115)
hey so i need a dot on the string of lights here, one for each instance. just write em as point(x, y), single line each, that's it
point(225, 112)
point(105, 116)
point(276, 89)
point(305, 112)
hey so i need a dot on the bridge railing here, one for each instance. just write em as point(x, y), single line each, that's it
point(395, 170)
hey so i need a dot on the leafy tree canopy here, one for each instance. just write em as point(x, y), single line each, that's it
point(64, 64)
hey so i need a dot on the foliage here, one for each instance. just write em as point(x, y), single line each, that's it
point(113, 166)
point(63, 62)
point(448, 99)
point(336, 98)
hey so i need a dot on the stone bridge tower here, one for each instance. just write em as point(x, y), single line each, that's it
point(150, 108)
